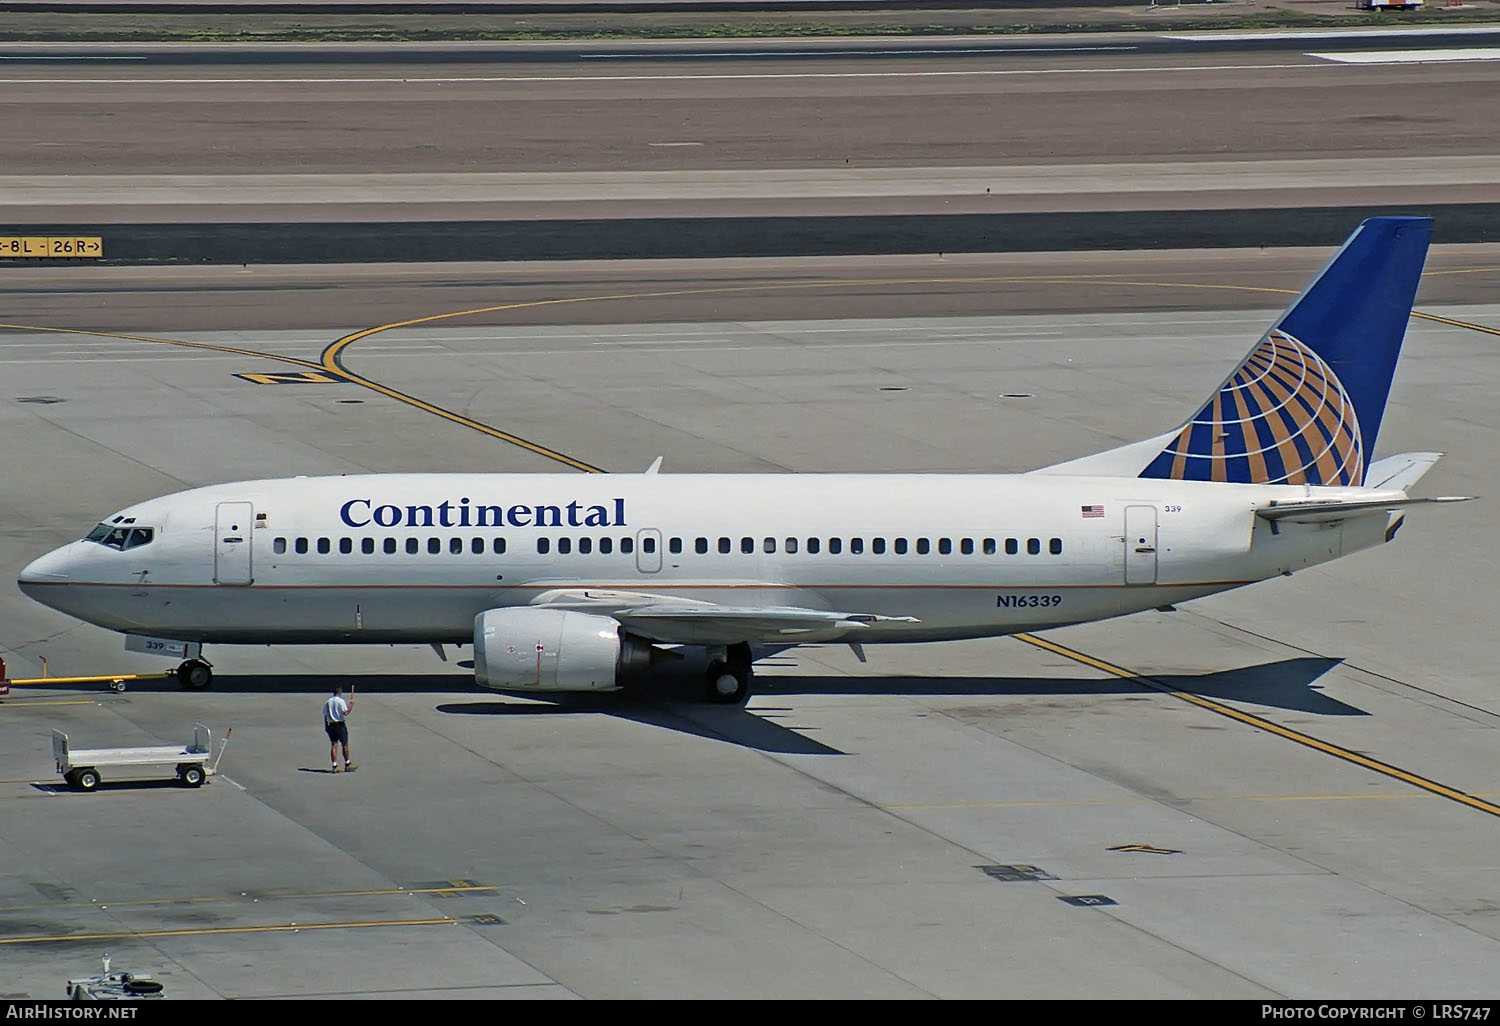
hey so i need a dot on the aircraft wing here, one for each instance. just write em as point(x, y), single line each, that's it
point(689, 622)
point(1328, 511)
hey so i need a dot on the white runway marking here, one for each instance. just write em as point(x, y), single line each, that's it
point(1410, 56)
point(1448, 30)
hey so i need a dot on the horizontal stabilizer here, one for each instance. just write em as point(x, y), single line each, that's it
point(1333, 510)
point(1400, 471)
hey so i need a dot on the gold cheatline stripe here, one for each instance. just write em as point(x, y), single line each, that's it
point(205, 931)
point(1266, 725)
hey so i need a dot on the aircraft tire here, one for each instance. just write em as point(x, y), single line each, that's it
point(728, 683)
point(195, 675)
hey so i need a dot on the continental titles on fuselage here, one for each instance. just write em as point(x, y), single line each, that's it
point(463, 513)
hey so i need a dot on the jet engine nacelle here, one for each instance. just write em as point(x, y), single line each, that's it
point(531, 649)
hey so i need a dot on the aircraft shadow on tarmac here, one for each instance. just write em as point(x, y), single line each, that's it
point(674, 700)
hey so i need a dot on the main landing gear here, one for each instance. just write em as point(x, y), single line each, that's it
point(729, 674)
point(195, 674)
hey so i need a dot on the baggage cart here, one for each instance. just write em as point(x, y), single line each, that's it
point(81, 767)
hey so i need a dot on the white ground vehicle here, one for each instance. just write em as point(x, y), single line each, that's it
point(80, 767)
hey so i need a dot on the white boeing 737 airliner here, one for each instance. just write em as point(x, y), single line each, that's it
point(568, 583)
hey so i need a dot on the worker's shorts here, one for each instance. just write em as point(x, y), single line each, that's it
point(338, 733)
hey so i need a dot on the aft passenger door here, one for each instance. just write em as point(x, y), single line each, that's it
point(233, 523)
point(1140, 544)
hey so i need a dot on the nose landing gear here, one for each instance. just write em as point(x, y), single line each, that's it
point(195, 674)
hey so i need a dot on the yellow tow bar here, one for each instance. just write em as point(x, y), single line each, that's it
point(116, 681)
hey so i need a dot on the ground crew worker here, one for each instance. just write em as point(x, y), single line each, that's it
point(335, 710)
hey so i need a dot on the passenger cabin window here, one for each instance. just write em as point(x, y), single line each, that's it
point(768, 546)
point(700, 546)
point(412, 546)
point(498, 547)
point(564, 546)
point(434, 546)
point(989, 546)
point(724, 545)
point(301, 546)
point(813, 544)
point(791, 545)
point(543, 546)
point(279, 546)
point(390, 546)
point(477, 546)
point(455, 546)
point(1011, 548)
point(675, 546)
point(367, 546)
point(856, 546)
point(648, 544)
point(346, 545)
point(606, 545)
point(1033, 546)
point(923, 546)
point(747, 545)
point(835, 546)
point(324, 547)
point(627, 546)
point(877, 546)
point(900, 546)
point(1055, 546)
point(945, 546)
point(966, 546)
point(585, 545)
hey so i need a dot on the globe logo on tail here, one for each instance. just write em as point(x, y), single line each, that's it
point(1283, 417)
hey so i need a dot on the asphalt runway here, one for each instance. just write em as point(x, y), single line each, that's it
point(114, 134)
point(1286, 791)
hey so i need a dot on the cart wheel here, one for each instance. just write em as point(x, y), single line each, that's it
point(118, 686)
point(86, 779)
point(191, 776)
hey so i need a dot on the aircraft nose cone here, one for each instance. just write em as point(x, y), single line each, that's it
point(49, 569)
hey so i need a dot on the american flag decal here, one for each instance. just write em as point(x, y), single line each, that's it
point(1093, 511)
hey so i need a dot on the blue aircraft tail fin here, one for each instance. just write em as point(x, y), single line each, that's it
point(1305, 406)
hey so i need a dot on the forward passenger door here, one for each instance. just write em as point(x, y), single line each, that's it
point(233, 524)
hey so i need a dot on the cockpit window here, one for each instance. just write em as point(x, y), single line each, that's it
point(122, 538)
